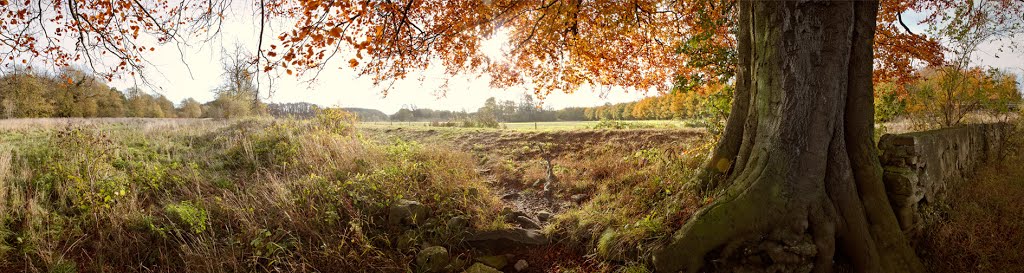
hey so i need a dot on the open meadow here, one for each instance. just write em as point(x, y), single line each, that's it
point(293, 195)
point(545, 125)
point(304, 196)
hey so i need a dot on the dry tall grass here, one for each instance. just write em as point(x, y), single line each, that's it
point(145, 123)
point(131, 195)
point(175, 195)
point(634, 197)
point(5, 162)
point(983, 226)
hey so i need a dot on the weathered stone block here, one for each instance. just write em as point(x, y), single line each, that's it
point(900, 184)
point(920, 167)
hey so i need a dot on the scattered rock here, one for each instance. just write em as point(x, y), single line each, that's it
point(543, 216)
point(496, 261)
point(521, 265)
point(481, 268)
point(527, 223)
point(510, 196)
point(458, 223)
point(511, 215)
point(579, 198)
point(507, 239)
point(432, 259)
point(407, 212)
point(407, 240)
point(457, 263)
point(430, 223)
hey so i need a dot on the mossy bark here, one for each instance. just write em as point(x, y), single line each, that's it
point(797, 161)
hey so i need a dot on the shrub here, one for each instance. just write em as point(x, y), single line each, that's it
point(481, 122)
point(75, 167)
point(188, 214)
point(944, 97)
point(272, 147)
point(888, 103)
point(618, 125)
point(336, 121)
point(443, 124)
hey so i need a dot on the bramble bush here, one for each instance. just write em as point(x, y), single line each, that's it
point(189, 214)
point(336, 121)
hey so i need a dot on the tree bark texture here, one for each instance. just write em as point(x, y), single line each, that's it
point(801, 185)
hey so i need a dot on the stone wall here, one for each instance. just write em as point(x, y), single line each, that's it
point(920, 167)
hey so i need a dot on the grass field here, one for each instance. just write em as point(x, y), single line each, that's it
point(281, 195)
point(544, 126)
point(278, 195)
point(163, 195)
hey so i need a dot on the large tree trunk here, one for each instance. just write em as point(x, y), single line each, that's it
point(802, 186)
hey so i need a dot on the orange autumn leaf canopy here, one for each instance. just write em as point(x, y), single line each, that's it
point(111, 37)
point(553, 45)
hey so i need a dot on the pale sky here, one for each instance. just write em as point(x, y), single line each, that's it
point(341, 87)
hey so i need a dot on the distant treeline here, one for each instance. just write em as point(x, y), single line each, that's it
point(525, 110)
point(309, 110)
point(713, 101)
point(701, 103)
point(75, 94)
point(71, 93)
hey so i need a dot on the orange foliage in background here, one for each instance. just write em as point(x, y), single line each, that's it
point(944, 97)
